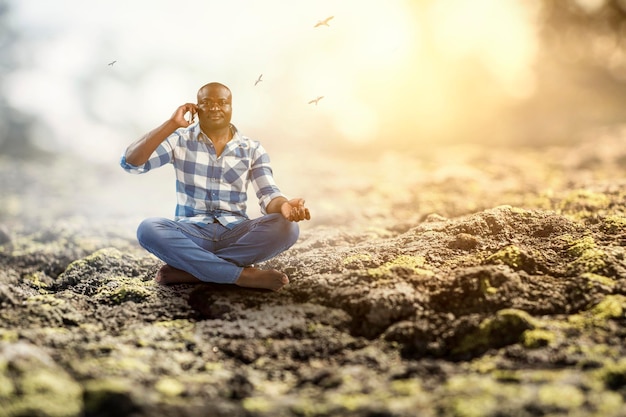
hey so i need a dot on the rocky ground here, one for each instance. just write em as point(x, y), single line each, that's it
point(462, 281)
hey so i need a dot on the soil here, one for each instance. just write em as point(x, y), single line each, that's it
point(465, 281)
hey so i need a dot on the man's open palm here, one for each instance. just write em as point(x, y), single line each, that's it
point(294, 210)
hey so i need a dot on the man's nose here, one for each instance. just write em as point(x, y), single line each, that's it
point(214, 106)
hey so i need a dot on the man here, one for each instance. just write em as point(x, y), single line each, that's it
point(211, 238)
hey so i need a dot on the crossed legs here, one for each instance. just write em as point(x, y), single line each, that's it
point(213, 253)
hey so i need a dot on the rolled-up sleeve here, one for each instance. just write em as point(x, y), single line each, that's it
point(162, 155)
point(262, 178)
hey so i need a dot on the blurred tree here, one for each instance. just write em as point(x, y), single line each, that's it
point(15, 139)
point(588, 32)
point(581, 70)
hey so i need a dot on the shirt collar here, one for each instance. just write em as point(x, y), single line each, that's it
point(199, 135)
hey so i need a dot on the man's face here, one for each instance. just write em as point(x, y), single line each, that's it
point(214, 107)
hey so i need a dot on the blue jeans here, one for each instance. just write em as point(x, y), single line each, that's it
point(212, 252)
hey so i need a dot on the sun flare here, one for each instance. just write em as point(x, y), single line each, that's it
point(420, 70)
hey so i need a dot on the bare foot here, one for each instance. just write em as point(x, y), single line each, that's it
point(269, 279)
point(170, 275)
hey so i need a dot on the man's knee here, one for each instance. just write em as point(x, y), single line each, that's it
point(289, 231)
point(148, 230)
point(293, 232)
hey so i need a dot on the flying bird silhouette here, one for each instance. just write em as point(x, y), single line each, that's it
point(315, 100)
point(323, 22)
point(111, 63)
point(258, 80)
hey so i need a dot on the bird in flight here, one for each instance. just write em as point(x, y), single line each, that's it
point(259, 79)
point(315, 100)
point(323, 22)
point(111, 63)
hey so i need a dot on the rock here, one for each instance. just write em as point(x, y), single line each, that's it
point(31, 383)
point(512, 293)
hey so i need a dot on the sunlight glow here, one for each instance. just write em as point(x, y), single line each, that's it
point(491, 30)
point(416, 69)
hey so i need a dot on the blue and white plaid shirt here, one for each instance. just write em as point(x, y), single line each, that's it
point(211, 188)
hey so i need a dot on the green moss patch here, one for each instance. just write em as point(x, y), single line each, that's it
point(505, 328)
point(31, 384)
point(118, 290)
point(411, 263)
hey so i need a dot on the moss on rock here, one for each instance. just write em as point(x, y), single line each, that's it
point(587, 256)
point(511, 255)
point(109, 396)
point(610, 307)
point(614, 224)
point(505, 328)
point(582, 203)
point(169, 387)
point(613, 374)
point(412, 263)
point(32, 384)
point(536, 338)
point(119, 289)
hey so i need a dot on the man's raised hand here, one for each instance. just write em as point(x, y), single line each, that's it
point(294, 210)
point(179, 115)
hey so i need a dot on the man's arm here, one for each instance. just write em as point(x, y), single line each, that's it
point(139, 151)
point(293, 210)
point(266, 189)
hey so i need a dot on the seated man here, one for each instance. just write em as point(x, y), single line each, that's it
point(211, 238)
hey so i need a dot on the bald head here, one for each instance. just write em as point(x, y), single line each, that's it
point(214, 85)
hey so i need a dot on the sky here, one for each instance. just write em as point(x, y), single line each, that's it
point(96, 75)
